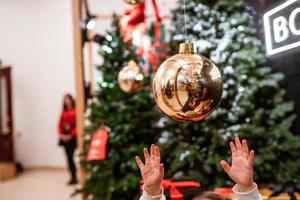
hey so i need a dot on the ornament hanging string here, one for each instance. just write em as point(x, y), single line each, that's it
point(185, 31)
point(198, 91)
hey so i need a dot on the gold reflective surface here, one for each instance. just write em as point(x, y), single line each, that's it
point(132, 1)
point(130, 77)
point(187, 87)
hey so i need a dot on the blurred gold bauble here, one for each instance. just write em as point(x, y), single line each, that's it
point(130, 77)
point(187, 87)
point(132, 1)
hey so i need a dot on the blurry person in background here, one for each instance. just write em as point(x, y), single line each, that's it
point(67, 134)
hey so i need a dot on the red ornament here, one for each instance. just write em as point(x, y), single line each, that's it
point(134, 29)
point(132, 17)
point(97, 149)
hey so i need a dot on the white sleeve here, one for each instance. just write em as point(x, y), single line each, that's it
point(251, 195)
point(146, 196)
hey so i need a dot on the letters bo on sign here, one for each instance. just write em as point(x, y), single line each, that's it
point(282, 27)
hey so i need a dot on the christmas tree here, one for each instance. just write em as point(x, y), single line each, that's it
point(252, 106)
point(132, 121)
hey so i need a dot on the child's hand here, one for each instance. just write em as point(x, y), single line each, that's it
point(241, 169)
point(152, 171)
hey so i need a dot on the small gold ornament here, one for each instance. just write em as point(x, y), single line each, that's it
point(130, 77)
point(187, 87)
point(133, 1)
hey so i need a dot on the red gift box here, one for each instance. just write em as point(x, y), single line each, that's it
point(174, 187)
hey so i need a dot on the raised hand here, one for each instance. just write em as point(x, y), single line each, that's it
point(241, 169)
point(152, 171)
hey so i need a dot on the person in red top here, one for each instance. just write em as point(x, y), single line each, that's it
point(67, 134)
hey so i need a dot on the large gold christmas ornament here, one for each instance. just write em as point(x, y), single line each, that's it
point(187, 87)
point(132, 1)
point(130, 77)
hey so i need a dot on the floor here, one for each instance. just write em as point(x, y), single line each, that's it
point(42, 184)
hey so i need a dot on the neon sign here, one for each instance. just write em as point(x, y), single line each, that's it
point(282, 27)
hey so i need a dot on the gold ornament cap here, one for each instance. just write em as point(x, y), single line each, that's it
point(186, 47)
point(132, 1)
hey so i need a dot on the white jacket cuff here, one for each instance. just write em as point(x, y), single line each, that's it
point(251, 195)
point(147, 196)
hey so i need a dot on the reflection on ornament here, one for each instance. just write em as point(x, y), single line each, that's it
point(132, 1)
point(187, 87)
point(130, 77)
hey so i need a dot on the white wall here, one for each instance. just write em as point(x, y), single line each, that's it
point(36, 39)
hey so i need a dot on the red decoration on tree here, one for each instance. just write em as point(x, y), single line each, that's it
point(132, 17)
point(158, 50)
point(156, 10)
point(97, 149)
point(133, 28)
